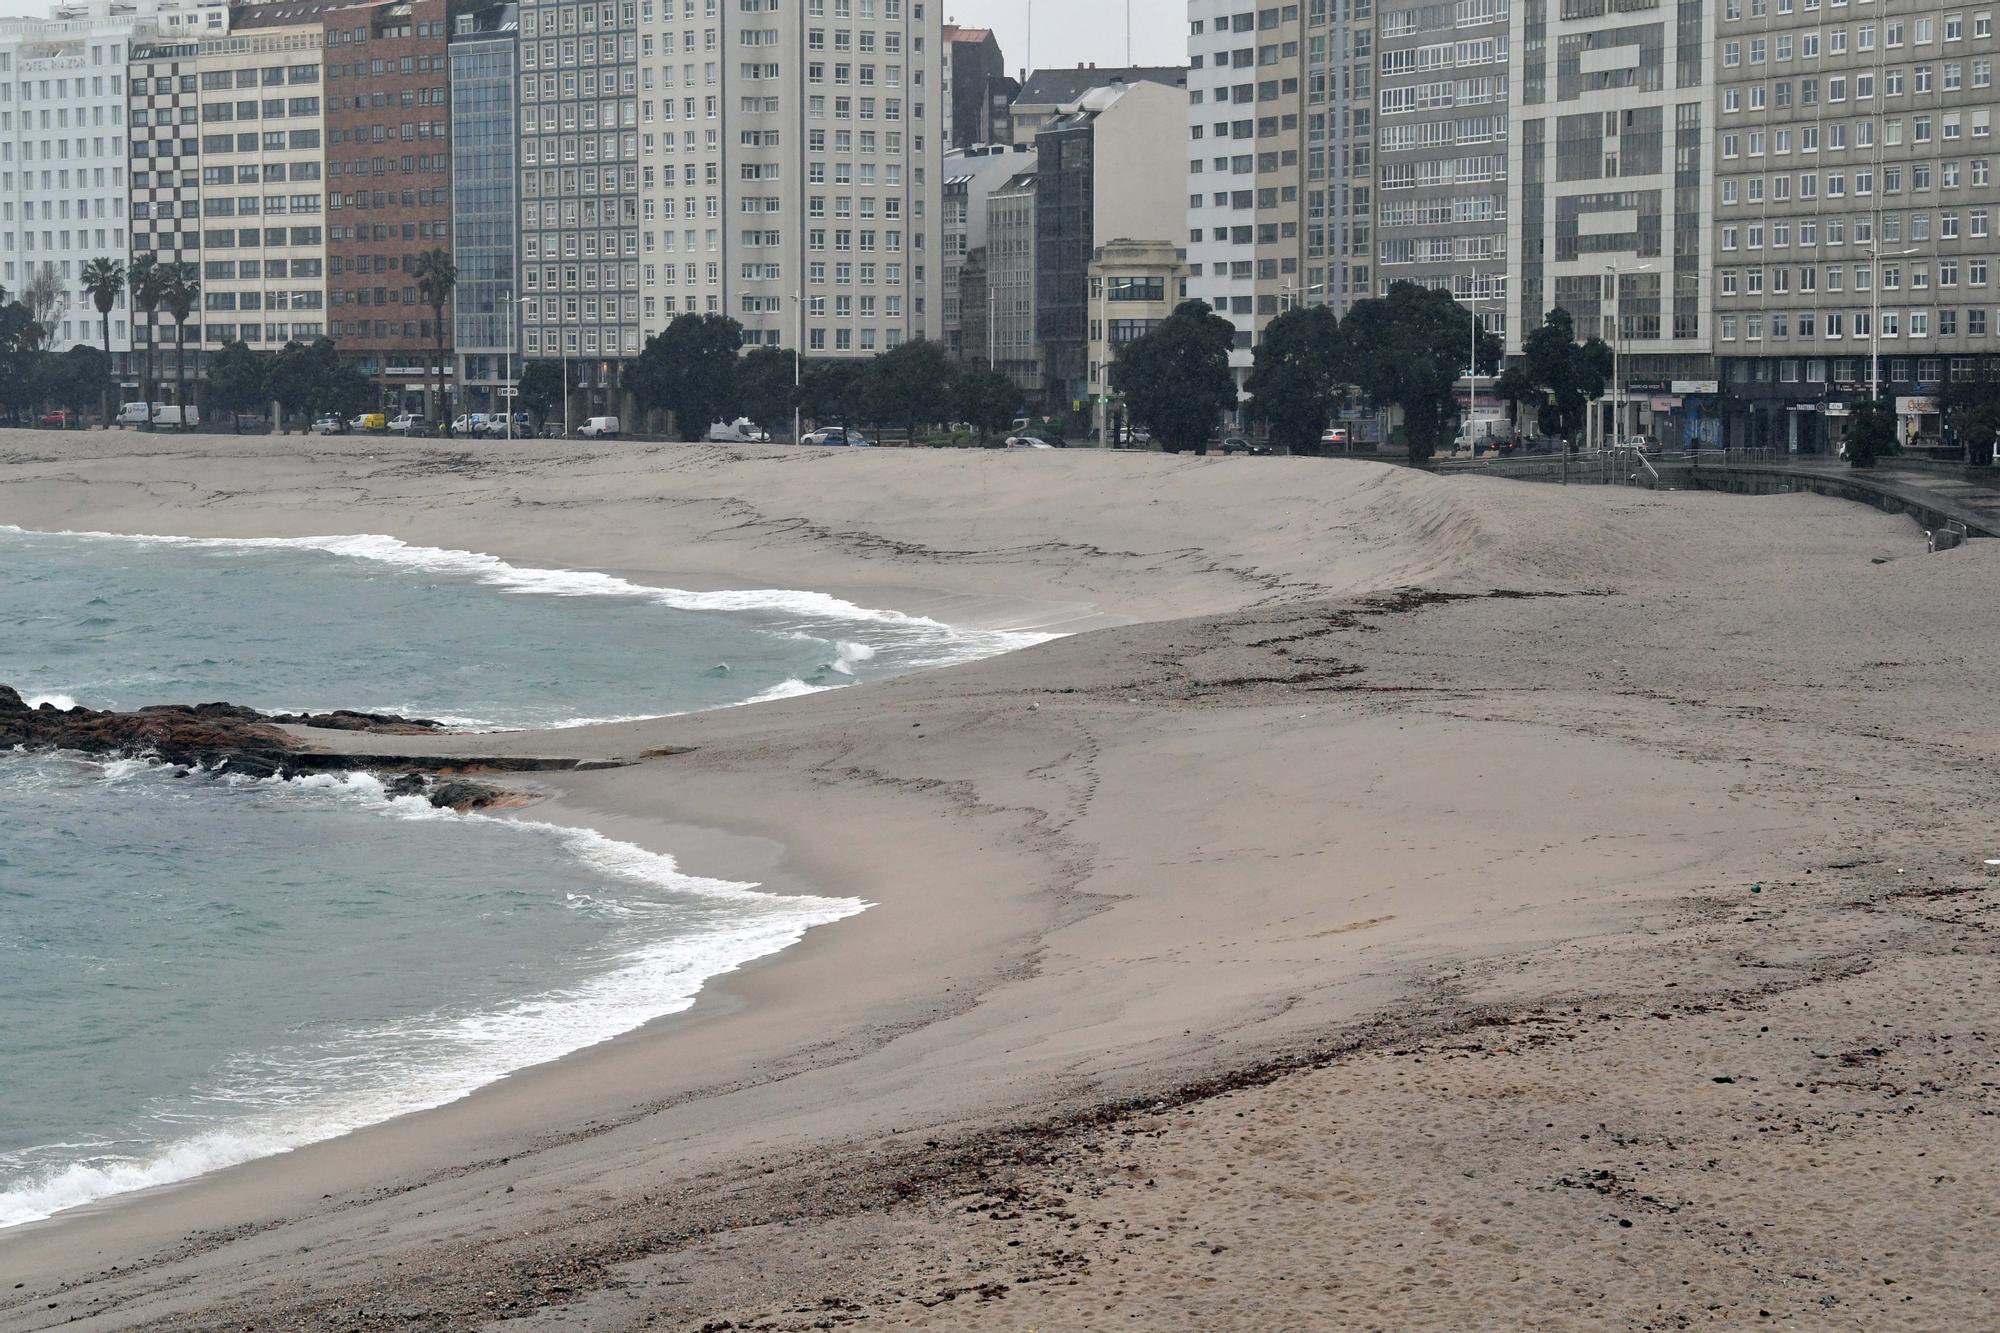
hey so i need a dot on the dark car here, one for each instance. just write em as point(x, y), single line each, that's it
point(1238, 444)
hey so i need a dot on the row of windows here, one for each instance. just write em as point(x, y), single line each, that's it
point(1863, 87)
point(1950, 127)
point(1810, 279)
point(279, 300)
point(1920, 177)
point(1834, 325)
point(1835, 231)
point(229, 270)
point(1925, 29)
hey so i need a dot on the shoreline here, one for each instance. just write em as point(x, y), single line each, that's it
point(705, 851)
point(1273, 812)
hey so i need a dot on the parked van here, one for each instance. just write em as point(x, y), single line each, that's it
point(740, 431)
point(174, 415)
point(598, 428)
point(375, 421)
point(135, 414)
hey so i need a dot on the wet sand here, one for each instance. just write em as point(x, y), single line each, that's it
point(1289, 949)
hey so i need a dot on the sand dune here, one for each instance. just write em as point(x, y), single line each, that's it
point(1348, 928)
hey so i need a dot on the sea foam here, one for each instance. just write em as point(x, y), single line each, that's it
point(424, 1062)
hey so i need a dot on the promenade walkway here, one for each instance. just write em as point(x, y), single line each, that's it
point(1932, 493)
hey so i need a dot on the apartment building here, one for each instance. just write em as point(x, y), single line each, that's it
point(485, 190)
point(970, 70)
point(974, 345)
point(1441, 151)
point(1853, 225)
point(1015, 347)
point(263, 201)
point(388, 169)
point(1610, 192)
point(227, 142)
point(579, 164)
point(789, 159)
point(1108, 170)
point(970, 175)
point(1281, 159)
point(1045, 94)
point(64, 197)
point(1134, 286)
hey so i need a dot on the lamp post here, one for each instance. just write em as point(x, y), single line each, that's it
point(513, 350)
point(798, 354)
point(1875, 313)
point(1288, 294)
point(1472, 363)
point(1617, 346)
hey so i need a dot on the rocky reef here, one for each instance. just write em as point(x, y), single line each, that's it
point(229, 738)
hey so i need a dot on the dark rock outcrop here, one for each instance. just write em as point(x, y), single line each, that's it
point(222, 737)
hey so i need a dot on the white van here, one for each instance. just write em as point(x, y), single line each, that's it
point(598, 428)
point(174, 415)
point(740, 431)
point(135, 414)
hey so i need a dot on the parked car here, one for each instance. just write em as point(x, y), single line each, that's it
point(408, 423)
point(740, 431)
point(1239, 444)
point(135, 414)
point(57, 420)
point(496, 426)
point(598, 428)
point(1027, 442)
point(469, 423)
point(174, 415)
point(838, 435)
point(1333, 437)
point(369, 421)
point(329, 425)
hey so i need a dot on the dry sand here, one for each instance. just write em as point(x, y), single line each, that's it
point(1290, 950)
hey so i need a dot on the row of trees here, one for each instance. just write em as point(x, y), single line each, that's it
point(1406, 349)
point(173, 286)
point(695, 371)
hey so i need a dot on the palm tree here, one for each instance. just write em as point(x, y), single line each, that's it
point(436, 277)
point(104, 280)
point(143, 277)
point(180, 288)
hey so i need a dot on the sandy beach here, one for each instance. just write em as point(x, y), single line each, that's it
point(1396, 902)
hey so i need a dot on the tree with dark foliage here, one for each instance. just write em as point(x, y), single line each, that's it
point(1176, 379)
point(689, 370)
point(1292, 384)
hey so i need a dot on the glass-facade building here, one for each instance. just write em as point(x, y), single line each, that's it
point(485, 200)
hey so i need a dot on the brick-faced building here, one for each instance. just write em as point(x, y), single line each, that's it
point(388, 162)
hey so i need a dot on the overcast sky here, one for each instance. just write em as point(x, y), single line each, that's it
point(1066, 31)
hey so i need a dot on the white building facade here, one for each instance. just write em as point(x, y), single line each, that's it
point(789, 157)
point(64, 196)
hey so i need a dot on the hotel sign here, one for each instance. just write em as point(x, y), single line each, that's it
point(48, 59)
point(1685, 387)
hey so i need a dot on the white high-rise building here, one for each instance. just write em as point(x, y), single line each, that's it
point(63, 183)
point(790, 169)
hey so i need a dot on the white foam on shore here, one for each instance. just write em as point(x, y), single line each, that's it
point(62, 701)
point(365, 1078)
point(492, 571)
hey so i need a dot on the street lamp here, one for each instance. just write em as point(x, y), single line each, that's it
point(1288, 294)
point(798, 352)
point(1472, 365)
point(1617, 344)
point(513, 350)
point(1875, 312)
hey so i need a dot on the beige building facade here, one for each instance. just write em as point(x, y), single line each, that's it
point(1134, 285)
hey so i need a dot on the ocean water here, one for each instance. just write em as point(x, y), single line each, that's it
point(371, 623)
point(201, 970)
